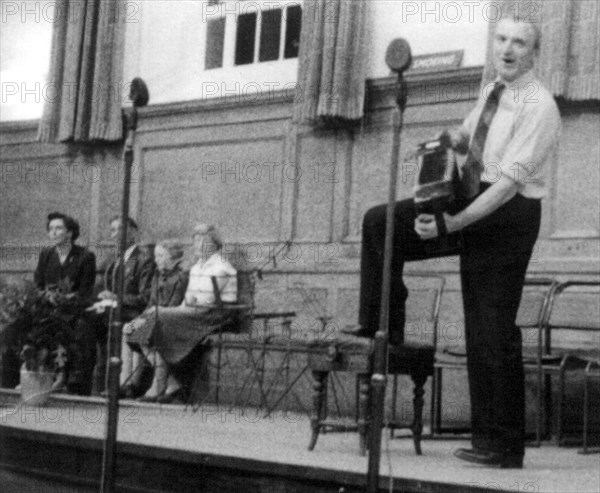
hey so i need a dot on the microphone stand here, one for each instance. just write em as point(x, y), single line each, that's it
point(380, 350)
point(139, 96)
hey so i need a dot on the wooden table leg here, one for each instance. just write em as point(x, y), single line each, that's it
point(419, 380)
point(319, 405)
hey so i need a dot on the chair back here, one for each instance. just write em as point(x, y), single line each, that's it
point(573, 320)
point(423, 308)
point(242, 309)
point(246, 287)
point(538, 293)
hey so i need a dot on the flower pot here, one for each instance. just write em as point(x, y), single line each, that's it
point(36, 387)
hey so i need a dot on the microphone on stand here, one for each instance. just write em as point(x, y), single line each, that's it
point(398, 58)
point(139, 96)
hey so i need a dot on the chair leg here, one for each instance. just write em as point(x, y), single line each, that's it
point(432, 403)
point(394, 403)
point(419, 380)
point(436, 402)
point(539, 415)
point(547, 406)
point(219, 362)
point(559, 405)
point(586, 403)
point(364, 386)
point(319, 405)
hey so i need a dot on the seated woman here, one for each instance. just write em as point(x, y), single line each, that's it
point(167, 289)
point(67, 272)
point(178, 330)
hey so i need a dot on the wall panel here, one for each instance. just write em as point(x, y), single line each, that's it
point(315, 181)
point(576, 204)
point(321, 211)
point(234, 184)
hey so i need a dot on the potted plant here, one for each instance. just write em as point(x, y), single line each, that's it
point(36, 325)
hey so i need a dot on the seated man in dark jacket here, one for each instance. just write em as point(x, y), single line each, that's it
point(138, 272)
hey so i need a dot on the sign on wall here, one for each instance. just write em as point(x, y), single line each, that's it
point(437, 61)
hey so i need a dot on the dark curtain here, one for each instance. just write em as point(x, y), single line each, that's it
point(332, 62)
point(569, 63)
point(86, 70)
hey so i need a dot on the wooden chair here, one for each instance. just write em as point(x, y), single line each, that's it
point(345, 353)
point(592, 372)
point(571, 342)
point(244, 333)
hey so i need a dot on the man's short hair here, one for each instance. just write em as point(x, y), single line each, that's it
point(71, 224)
point(130, 222)
point(514, 14)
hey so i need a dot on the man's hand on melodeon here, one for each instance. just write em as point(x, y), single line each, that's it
point(426, 227)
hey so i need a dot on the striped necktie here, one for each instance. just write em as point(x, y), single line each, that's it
point(471, 170)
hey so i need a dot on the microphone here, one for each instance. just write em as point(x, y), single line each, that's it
point(398, 57)
point(139, 96)
point(138, 93)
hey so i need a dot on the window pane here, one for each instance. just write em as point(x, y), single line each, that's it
point(270, 34)
point(215, 40)
point(244, 40)
point(292, 34)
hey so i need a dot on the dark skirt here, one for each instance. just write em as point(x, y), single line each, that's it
point(177, 330)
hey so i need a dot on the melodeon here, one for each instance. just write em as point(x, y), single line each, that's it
point(436, 189)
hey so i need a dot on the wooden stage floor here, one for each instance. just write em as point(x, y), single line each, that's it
point(254, 452)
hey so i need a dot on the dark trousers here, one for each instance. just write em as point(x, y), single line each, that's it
point(99, 323)
point(494, 256)
point(81, 354)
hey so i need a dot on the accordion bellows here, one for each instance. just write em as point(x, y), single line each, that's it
point(434, 191)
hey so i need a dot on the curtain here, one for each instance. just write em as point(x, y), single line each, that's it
point(332, 62)
point(569, 62)
point(85, 87)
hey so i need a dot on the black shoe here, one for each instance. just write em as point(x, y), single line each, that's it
point(356, 331)
point(175, 397)
point(485, 458)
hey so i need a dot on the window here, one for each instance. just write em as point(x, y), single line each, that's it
point(26, 35)
point(215, 49)
point(215, 32)
point(264, 31)
point(244, 39)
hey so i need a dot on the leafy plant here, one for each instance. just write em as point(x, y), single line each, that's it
point(37, 323)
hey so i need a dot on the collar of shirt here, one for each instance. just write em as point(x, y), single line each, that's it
point(215, 258)
point(516, 88)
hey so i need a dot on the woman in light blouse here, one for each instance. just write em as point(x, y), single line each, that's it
point(178, 330)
